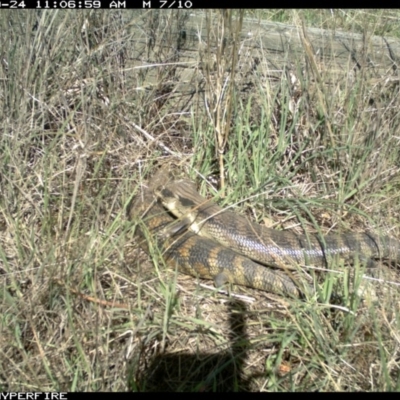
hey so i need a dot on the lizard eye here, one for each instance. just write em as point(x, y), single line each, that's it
point(166, 193)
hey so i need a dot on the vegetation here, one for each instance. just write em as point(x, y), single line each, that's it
point(93, 103)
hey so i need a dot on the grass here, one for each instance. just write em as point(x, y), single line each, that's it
point(92, 104)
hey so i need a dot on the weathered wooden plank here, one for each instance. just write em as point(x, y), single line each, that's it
point(171, 51)
point(275, 44)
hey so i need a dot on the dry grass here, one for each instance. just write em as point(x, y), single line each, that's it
point(91, 105)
